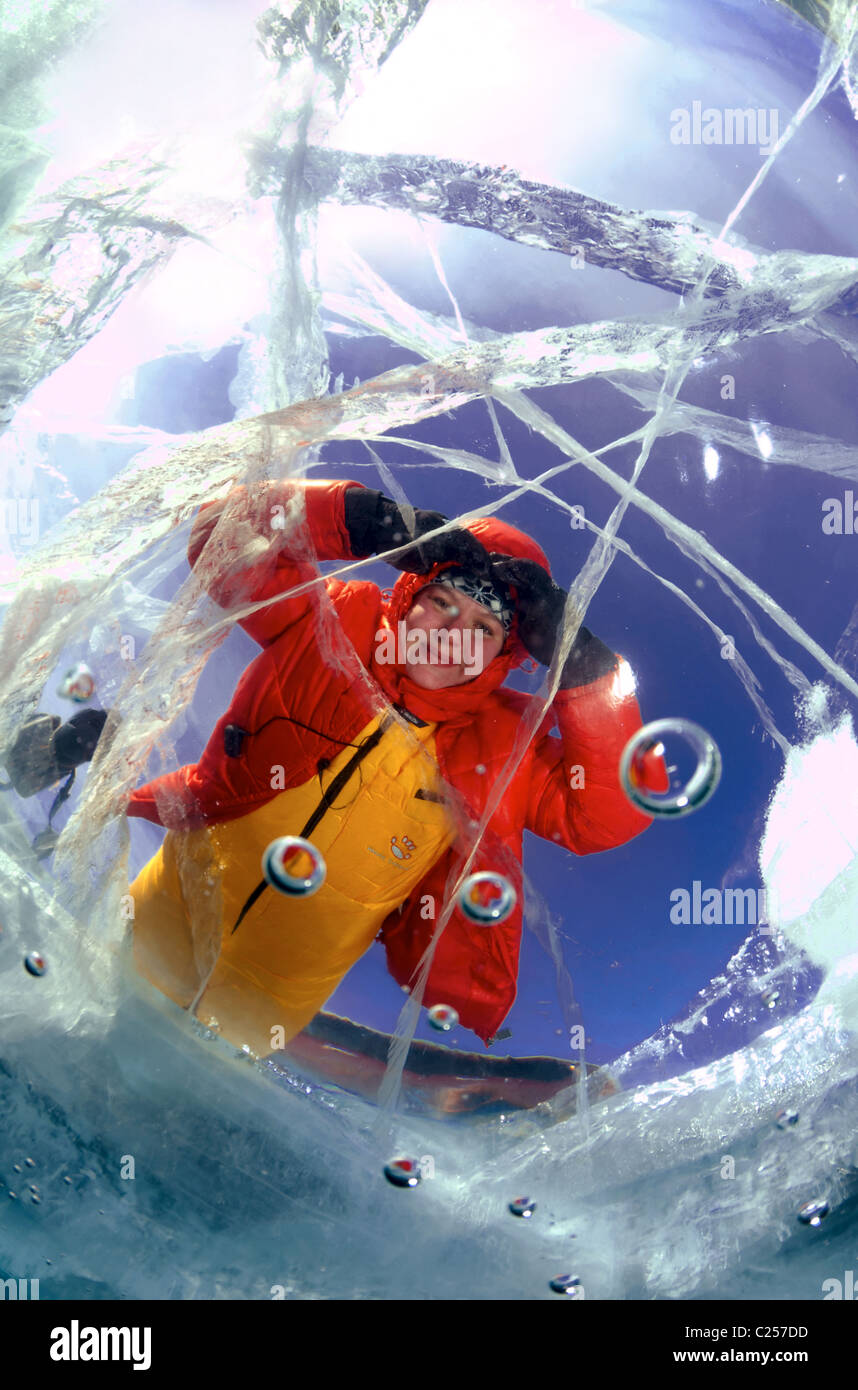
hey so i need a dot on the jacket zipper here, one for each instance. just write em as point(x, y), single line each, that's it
point(329, 796)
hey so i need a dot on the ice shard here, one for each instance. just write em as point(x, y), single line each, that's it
point(70, 259)
point(675, 253)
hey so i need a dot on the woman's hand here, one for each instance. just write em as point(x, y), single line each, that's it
point(540, 607)
point(539, 604)
point(376, 525)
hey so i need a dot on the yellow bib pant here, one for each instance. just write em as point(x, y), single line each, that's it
point(288, 955)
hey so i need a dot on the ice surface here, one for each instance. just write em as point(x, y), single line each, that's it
point(552, 345)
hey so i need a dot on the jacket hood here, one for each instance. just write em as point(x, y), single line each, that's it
point(460, 700)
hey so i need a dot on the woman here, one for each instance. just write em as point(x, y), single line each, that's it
point(354, 731)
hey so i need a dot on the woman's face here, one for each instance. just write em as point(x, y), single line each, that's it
point(459, 638)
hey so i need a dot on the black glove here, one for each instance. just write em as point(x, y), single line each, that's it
point(539, 606)
point(75, 742)
point(375, 524)
point(44, 752)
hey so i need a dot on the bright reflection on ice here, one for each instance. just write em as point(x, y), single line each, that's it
point(763, 439)
point(744, 262)
point(624, 680)
point(711, 462)
point(812, 829)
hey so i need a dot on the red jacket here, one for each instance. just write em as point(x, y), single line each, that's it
point(316, 684)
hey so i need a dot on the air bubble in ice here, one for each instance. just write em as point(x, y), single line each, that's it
point(522, 1206)
point(35, 962)
point(569, 1284)
point(487, 898)
point(442, 1017)
point(811, 1213)
point(640, 768)
point(78, 684)
point(293, 866)
point(785, 1118)
point(403, 1172)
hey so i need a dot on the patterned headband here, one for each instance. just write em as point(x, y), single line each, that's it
point(492, 596)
